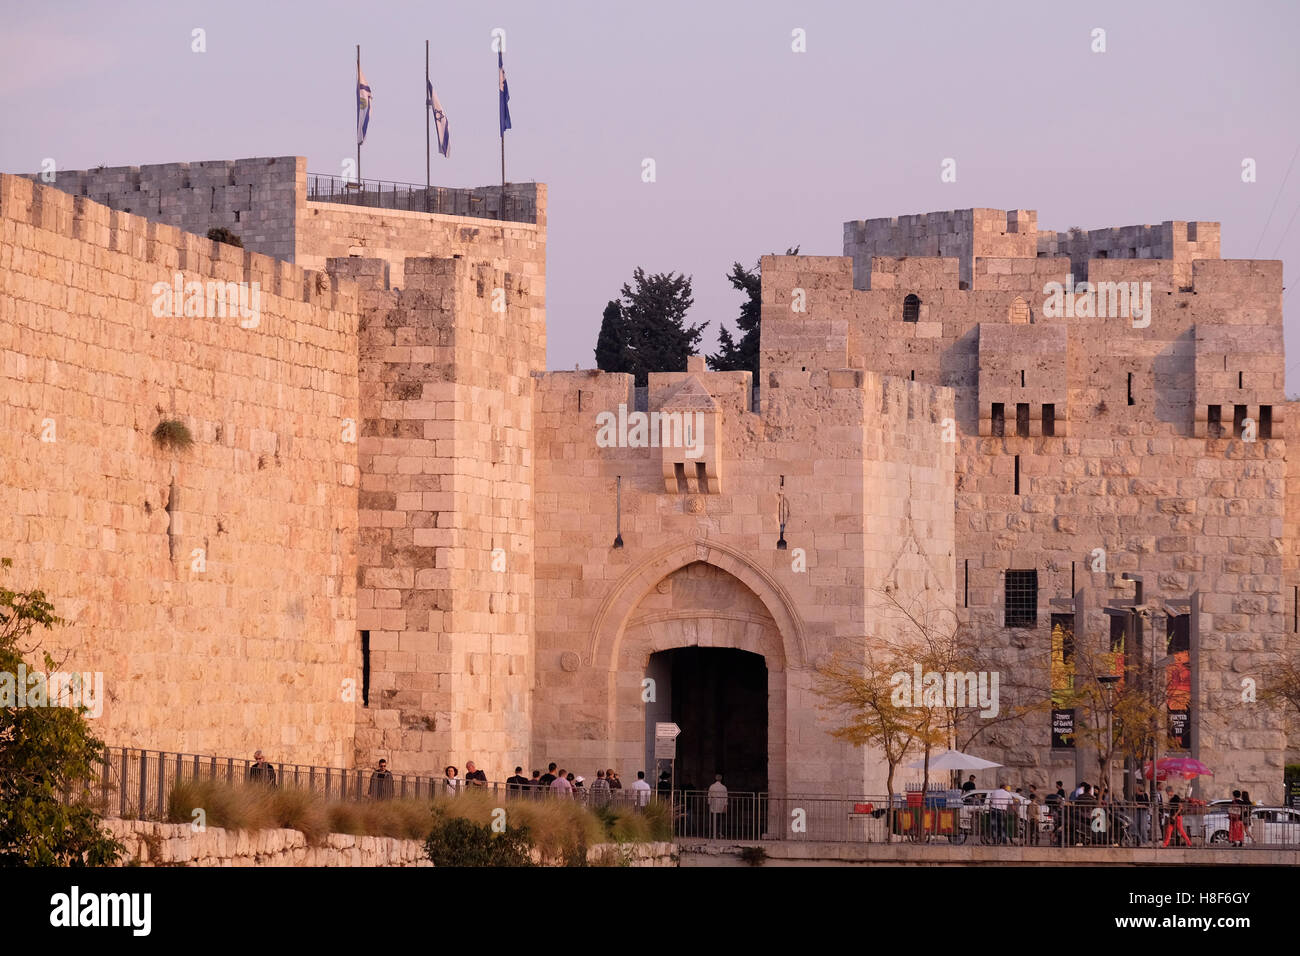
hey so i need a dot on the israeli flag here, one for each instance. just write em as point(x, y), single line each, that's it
point(440, 127)
point(504, 90)
point(363, 106)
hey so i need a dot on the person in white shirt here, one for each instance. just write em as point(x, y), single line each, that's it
point(717, 802)
point(999, 802)
point(641, 790)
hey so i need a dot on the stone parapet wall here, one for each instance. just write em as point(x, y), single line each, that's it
point(213, 586)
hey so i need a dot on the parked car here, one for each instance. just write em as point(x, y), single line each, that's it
point(1270, 826)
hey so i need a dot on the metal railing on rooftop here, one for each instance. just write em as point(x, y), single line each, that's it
point(483, 202)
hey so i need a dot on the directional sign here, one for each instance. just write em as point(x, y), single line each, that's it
point(669, 730)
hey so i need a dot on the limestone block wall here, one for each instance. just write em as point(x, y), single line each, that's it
point(176, 844)
point(446, 514)
point(1179, 242)
point(965, 234)
point(213, 586)
point(329, 230)
point(254, 198)
point(1201, 520)
point(864, 479)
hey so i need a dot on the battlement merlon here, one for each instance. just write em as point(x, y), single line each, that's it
point(968, 234)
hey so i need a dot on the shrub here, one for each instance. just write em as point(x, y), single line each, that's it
point(457, 841)
point(45, 754)
point(222, 234)
point(754, 855)
point(173, 433)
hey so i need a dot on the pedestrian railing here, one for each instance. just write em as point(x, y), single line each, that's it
point(948, 819)
point(483, 202)
point(138, 784)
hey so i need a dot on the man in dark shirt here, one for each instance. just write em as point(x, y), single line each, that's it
point(473, 776)
point(548, 778)
point(518, 783)
point(969, 785)
point(381, 782)
point(261, 771)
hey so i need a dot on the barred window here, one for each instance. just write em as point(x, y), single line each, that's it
point(1021, 602)
point(911, 309)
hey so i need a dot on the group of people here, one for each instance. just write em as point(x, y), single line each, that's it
point(555, 782)
point(1081, 815)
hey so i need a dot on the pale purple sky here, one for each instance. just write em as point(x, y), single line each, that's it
point(756, 147)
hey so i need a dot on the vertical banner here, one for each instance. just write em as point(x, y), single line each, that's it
point(1062, 678)
point(1178, 681)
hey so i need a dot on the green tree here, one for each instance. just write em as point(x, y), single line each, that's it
point(611, 344)
point(654, 319)
point(742, 356)
point(45, 753)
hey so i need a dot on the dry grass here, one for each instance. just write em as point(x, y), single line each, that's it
point(560, 830)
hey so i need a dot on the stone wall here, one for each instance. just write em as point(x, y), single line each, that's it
point(446, 512)
point(213, 586)
point(254, 198)
point(867, 481)
point(1201, 519)
point(176, 844)
point(333, 230)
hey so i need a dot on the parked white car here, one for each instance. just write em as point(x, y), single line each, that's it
point(1271, 826)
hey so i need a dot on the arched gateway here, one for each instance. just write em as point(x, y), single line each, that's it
point(698, 634)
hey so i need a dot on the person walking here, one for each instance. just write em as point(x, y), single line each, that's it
point(381, 782)
point(999, 803)
point(1236, 830)
point(1246, 809)
point(1174, 818)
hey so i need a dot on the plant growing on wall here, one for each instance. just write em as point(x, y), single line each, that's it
point(222, 234)
point(171, 433)
point(45, 752)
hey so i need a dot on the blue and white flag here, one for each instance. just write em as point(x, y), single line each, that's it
point(363, 106)
point(505, 94)
point(440, 127)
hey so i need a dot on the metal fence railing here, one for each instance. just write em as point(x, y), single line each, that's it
point(138, 784)
point(947, 817)
point(483, 202)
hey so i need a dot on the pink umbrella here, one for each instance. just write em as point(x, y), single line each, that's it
point(1186, 767)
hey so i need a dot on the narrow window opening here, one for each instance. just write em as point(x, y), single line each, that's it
point(911, 309)
point(1240, 378)
point(701, 478)
point(1214, 422)
point(1266, 421)
point(1238, 418)
point(1295, 610)
point(1017, 474)
point(1130, 388)
point(1022, 419)
point(913, 375)
point(365, 668)
point(965, 588)
point(999, 420)
point(1102, 254)
point(1022, 378)
point(679, 469)
point(1049, 420)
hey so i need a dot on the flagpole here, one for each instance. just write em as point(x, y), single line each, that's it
point(428, 108)
point(358, 107)
point(503, 175)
